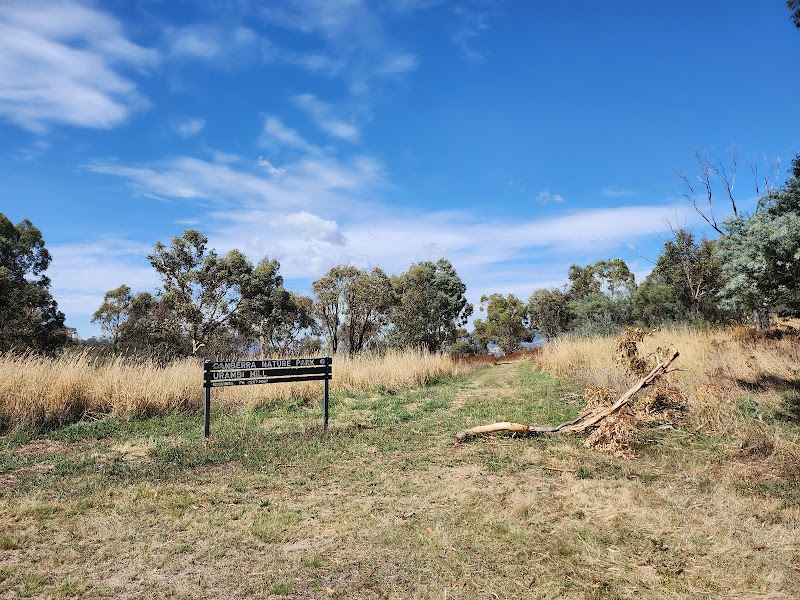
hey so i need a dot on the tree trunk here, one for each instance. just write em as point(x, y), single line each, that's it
point(761, 318)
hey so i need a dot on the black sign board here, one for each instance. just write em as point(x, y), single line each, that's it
point(221, 373)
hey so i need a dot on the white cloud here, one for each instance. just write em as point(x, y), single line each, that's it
point(350, 37)
point(345, 22)
point(59, 63)
point(615, 192)
point(212, 42)
point(311, 227)
point(324, 200)
point(34, 150)
point(321, 113)
point(195, 44)
point(545, 196)
point(191, 127)
point(225, 157)
point(82, 273)
point(269, 167)
point(277, 135)
point(409, 6)
point(313, 181)
point(398, 64)
point(321, 212)
point(473, 20)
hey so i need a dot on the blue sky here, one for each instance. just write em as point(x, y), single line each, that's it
point(512, 137)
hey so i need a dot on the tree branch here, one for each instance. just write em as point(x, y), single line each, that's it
point(585, 421)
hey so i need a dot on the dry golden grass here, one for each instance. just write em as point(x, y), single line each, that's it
point(40, 391)
point(730, 378)
point(714, 364)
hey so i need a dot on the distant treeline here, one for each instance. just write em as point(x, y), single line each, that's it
point(225, 305)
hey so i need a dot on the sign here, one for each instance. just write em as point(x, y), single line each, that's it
point(219, 373)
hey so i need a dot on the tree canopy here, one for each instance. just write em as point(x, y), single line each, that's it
point(431, 306)
point(208, 292)
point(684, 283)
point(507, 322)
point(598, 296)
point(352, 305)
point(29, 315)
point(548, 312)
point(761, 255)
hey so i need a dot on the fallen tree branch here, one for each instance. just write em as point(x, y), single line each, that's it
point(516, 428)
point(585, 421)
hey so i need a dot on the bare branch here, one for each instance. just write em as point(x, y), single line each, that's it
point(704, 177)
point(692, 197)
point(777, 172)
point(769, 170)
point(685, 179)
point(753, 164)
point(729, 179)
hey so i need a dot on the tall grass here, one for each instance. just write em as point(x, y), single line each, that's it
point(713, 362)
point(733, 381)
point(38, 391)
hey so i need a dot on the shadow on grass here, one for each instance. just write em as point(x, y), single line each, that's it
point(788, 388)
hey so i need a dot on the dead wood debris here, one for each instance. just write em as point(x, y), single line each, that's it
point(616, 424)
point(628, 351)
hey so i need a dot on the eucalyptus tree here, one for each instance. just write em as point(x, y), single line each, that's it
point(29, 315)
point(713, 179)
point(548, 312)
point(599, 295)
point(351, 306)
point(285, 329)
point(114, 313)
point(683, 284)
point(206, 292)
point(264, 307)
point(761, 255)
point(431, 306)
point(330, 302)
point(507, 322)
point(370, 297)
point(153, 330)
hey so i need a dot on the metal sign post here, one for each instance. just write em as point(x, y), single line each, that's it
point(218, 373)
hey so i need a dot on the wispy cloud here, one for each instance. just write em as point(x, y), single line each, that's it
point(345, 22)
point(217, 44)
point(325, 200)
point(545, 196)
point(473, 21)
point(322, 115)
point(191, 127)
point(276, 136)
point(398, 64)
point(61, 63)
point(615, 192)
point(518, 185)
point(410, 6)
point(82, 273)
point(269, 167)
point(309, 243)
point(34, 150)
point(310, 182)
point(351, 42)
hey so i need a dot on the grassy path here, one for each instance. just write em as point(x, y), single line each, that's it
point(385, 505)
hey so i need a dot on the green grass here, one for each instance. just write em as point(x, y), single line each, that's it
point(384, 504)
